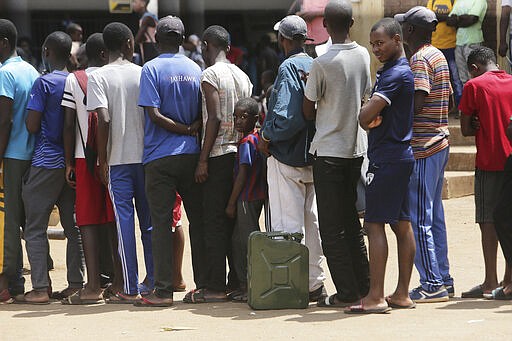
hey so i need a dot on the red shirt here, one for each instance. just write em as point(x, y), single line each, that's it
point(489, 97)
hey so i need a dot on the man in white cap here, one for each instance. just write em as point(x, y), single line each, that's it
point(286, 136)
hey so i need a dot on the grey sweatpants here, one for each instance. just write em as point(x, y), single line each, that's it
point(42, 189)
point(461, 59)
point(247, 221)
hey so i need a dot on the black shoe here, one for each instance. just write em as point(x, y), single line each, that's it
point(318, 294)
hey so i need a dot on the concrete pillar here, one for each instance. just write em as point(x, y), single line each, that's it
point(18, 13)
point(193, 16)
point(168, 7)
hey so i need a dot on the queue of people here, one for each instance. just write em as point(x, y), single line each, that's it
point(115, 139)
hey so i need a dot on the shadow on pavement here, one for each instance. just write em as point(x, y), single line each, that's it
point(242, 312)
point(467, 304)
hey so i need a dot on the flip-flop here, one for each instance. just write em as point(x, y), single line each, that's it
point(75, 299)
point(5, 297)
point(145, 302)
point(360, 309)
point(399, 306)
point(63, 294)
point(475, 292)
point(239, 297)
point(330, 301)
point(120, 298)
point(198, 296)
point(499, 294)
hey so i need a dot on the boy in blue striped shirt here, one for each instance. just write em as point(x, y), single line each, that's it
point(45, 184)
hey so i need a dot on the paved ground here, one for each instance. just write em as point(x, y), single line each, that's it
point(454, 320)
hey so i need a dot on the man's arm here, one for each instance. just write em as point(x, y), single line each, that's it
point(5, 124)
point(369, 116)
point(212, 99)
point(504, 22)
point(69, 143)
point(171, 125)
point(33, 121)
point(509, 131)
point(309, 109)
point(238, 186)
point(146, 22)
point(102, 142)
point(468, 124)
point(419, 101)
point(464, 20)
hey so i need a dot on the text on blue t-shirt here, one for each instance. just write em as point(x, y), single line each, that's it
point(170, 82)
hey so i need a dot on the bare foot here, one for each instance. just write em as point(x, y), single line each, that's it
point(399, 300)
point(88, 294)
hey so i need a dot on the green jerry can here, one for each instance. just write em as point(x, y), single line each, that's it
point(277, 270)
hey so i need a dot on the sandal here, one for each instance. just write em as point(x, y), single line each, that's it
point(198, 296)
point(475, 292)
point(360, 309)
point(332, 301)
point(499, 294)
point(75, 299)
point(5, 297)
point(399, 306)
point(148, 302)
point(120, 298)
point(63, 294)
point(239, 296)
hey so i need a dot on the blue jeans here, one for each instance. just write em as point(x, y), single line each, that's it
point(449, 54)
point(427, 219)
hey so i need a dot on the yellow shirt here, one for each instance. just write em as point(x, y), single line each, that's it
point(444, 37)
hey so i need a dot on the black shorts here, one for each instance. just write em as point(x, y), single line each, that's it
point(387, 192)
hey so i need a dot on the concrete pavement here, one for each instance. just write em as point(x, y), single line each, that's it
point(456, 319)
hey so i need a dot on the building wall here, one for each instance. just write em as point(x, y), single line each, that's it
point(366, 13)
point(208, 4)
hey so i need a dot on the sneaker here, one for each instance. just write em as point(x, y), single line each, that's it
point(420, 295)
point(451, 290)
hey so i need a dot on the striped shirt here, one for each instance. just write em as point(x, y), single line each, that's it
point(232, 84)
point(430, 127)
point(46, 98)
point(255, 187)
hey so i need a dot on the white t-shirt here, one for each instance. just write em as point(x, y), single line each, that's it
point(74, 98)
point(232, 85)
point(509, 4)
point(338, 81)
point(115, 86)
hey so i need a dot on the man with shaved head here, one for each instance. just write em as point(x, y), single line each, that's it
point(339, 145)
point(45, 184)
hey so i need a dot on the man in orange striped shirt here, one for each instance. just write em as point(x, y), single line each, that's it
point(430, 146)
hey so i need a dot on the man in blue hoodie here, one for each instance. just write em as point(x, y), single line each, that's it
point(286, 136)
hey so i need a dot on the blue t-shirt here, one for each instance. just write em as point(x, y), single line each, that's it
point(16, 80)
point(46, 98)
point(255, 187)
point(170, 82)
point(390, 142)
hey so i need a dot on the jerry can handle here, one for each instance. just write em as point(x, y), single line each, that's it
point(296, 237)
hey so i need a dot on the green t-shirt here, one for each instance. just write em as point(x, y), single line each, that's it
point(472, 34)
